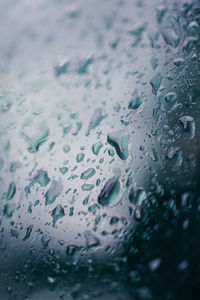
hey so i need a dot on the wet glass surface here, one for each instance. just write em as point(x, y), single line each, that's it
point(99, 139)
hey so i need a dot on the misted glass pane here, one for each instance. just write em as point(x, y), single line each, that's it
point(100, 143)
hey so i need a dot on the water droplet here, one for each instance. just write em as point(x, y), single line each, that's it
point(83, 69)
point(57, 213)
point(179, 62)
point(80, 157)
point(193, 94)
point(45, 240)
point(41, 178)
point(96, 119)
point(14, 166)
point(91, 240)
point(170, 37)
point(14, 233)
point(53, 192)
point(109, 192)
point(28, 232)
point(63, 170)
point(160, 12)
point(11, 191)
point(41, 135)
point(154, 264)
point(88, 173)
point(87, 187)
point(137, 33)
point(97, 147)
point(170, 97)
point(114, 220)
point(61, 68)
point(137, 195)
point(175, 155)
point(155, 83)
point(51, 281)
point(188, 125)
point(135, 101)
point(120, 141)
point(8, 210)
point(66, 148)
point(193, 27)
point(189, 43)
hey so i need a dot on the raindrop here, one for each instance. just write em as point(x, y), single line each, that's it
point(97, 147)
point(41, 135)
point(119, 140)
point(170, 97)
point(188, 125)
point(109, 192)
point(11, 191)
point(80, 157)
point(57, 213)
point(53, 192)
point(170, 37)
point(155, 83)
point(88, 173)
point(135, 101)
point(41, 178)
point(137, 195)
